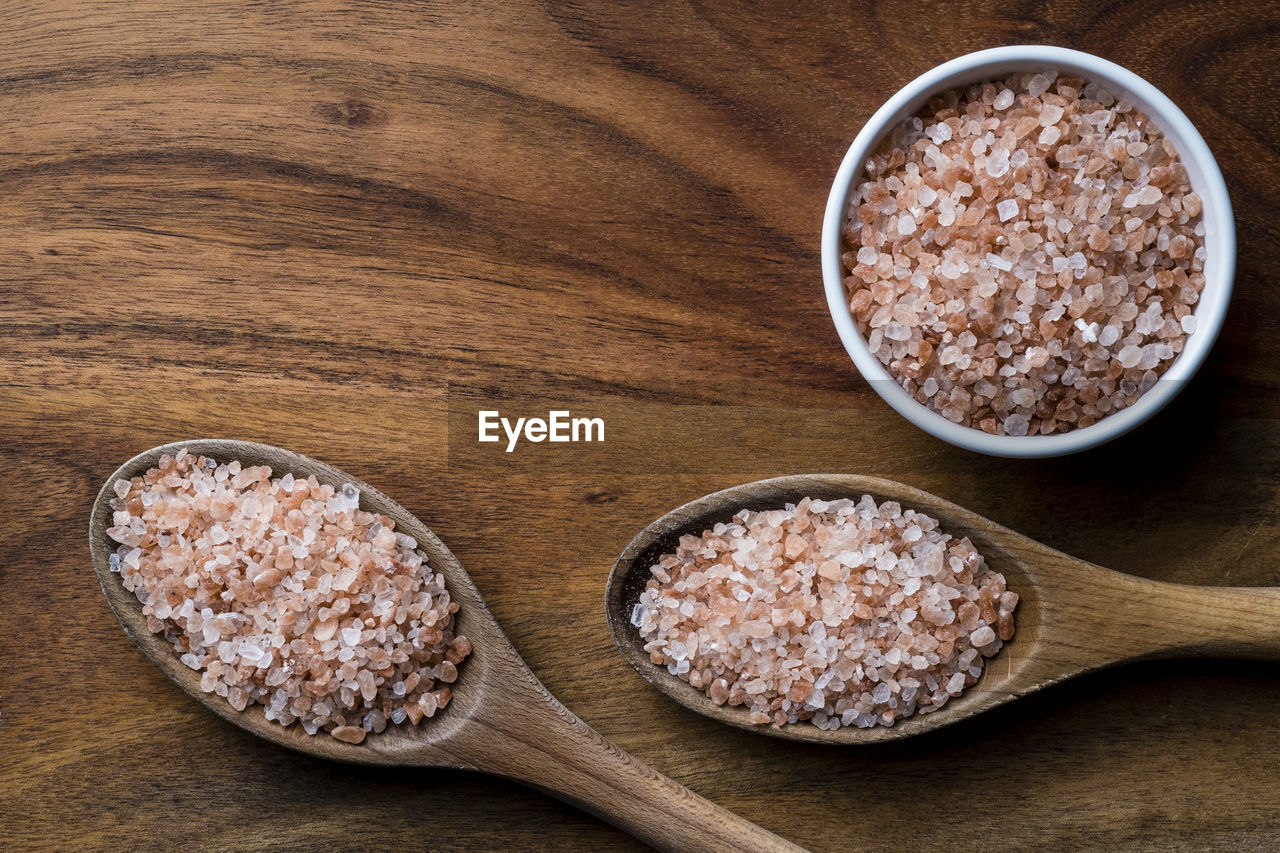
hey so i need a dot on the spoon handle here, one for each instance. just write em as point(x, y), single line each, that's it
point(541, 743)
point(1201, 621)
point(1113, 617)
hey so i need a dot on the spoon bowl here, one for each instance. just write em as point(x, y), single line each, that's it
point(1072, 616)
point(397, 744)
point(501, 719)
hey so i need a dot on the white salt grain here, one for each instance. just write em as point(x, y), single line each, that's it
point(982, 636)
point(1050, 114)
point(1129, 356)
point(1015, 425)
point(998, 163)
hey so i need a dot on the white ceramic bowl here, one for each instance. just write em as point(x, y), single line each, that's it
point(1206, 180)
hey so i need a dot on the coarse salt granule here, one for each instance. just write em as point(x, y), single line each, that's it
point(841, 613)
point(1036, 202)
point(284, 593)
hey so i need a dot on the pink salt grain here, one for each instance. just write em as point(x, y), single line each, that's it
point(835, 612)
point(1048, 217)
point(350, 734)
point(284, 593)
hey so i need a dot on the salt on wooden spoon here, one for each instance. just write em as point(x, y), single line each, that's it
point(501, 719)
point(1072, 617)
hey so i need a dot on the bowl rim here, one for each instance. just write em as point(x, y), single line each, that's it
point(1206, 179)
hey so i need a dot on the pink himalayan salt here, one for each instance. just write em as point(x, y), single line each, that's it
point(1048, 217)
point(350, 734)
point(829, 611)
point(282, 592)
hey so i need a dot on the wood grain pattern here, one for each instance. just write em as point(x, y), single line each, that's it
point(342, 226)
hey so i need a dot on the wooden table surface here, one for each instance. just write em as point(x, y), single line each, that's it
point(345, 227)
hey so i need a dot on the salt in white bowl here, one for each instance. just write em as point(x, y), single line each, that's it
point(1206, 180)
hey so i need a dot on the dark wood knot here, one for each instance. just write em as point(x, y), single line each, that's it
point(352, 113)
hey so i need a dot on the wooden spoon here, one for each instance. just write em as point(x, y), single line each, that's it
point(1073, 617)
point(501, 720)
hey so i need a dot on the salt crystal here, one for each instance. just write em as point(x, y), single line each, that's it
point(1129, 356)
point(1004, 100)
point(895, 331)
point(1022, 397)
point(1007, 209)
point(998, 163)
point(1015, 425)
point(350, 734)
point(1038, 85)
point(983, 636)
point(1050, 114)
